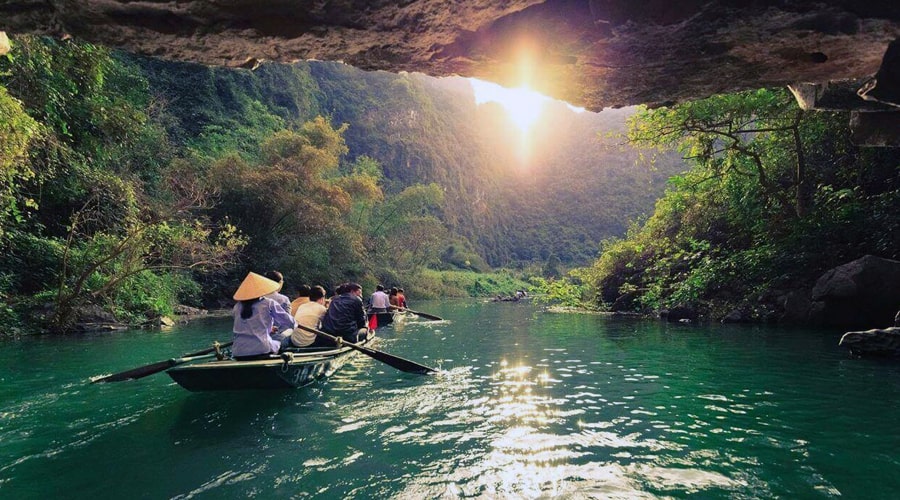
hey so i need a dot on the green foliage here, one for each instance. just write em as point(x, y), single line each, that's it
point(30, 262)
point(243, 136)
point(116, 213)
point(138, 259)
point(16, 132)
point(429, 283)
point(403, 233)
point(565, 291)
point(216, 103)
point(458, 254)
point(772, 201)
point(551, 267)
point(147, 294)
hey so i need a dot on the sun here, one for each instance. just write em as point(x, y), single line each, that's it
point(523, 105)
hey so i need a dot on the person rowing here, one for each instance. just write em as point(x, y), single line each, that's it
point(346, 316)
point(255, 315)
point(394, 298)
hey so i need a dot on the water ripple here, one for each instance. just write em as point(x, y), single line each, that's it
point(529, 406)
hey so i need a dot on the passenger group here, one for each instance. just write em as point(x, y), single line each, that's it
point(267, 322)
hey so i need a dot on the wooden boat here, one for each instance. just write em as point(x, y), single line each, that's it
point(384, 318)
point(284, 371)
point(389, 317)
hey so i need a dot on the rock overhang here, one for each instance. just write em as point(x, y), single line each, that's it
point(590, 53)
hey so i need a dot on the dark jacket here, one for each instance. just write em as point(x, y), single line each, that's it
point(345, 316)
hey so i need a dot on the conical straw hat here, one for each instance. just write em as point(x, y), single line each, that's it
point(255, 286)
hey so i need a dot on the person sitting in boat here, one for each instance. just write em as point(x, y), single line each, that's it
point(255, 316)
point(309, 315)
point(346, 316)
point(281, 299)
point(302, 298)
point(401, 298)
point(394, 298)
point(276, 295)
point(380, 302)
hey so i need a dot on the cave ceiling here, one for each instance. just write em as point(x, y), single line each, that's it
point(594, 54)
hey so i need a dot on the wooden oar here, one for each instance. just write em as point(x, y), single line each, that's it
point(147, 370)
point(432, 317)
point(404, 365)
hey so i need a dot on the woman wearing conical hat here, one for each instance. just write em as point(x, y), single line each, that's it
point(254, 317)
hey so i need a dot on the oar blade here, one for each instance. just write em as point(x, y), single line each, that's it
point(402, 364)
point(136, 373)
point(432, 317)
point(397, 362)
point(147, 370)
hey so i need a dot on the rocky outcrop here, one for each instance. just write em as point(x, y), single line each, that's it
point(865, 292)
point(795, 305)
point(877, 342)
point(591, 53)
point(680, 314)
point(92, 317)
point(183, 310)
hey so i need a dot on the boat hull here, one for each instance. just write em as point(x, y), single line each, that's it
point(385, 318)
point(288, 371)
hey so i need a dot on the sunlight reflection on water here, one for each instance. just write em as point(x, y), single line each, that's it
point(530, 406)
point(507, 435)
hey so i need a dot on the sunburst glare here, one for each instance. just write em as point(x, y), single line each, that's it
point(523, 105)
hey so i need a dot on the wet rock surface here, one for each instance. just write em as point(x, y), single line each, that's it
point(594, 54)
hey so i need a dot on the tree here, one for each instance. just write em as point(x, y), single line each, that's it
point(551, 267)
point(756, 133)
point(403, 234)
point(154, 238)
point(775, 196)
point(293, 205)
point(17, 130)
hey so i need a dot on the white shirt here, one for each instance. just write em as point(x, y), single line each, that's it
point(308, 315)
point(380, 300)
point(251, 335)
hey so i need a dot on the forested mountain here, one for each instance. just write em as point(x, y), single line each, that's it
point(575, 189)
point(131, 184)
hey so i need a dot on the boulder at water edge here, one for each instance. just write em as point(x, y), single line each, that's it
point(861, 293)
point(877, 342)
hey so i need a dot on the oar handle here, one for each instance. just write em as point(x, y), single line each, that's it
point(188, 359)
point(209, 350)
point(337, 340)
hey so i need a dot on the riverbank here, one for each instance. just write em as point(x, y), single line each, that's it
point(582, 310)
point(100, 321)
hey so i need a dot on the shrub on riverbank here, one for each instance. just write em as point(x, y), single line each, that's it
point(775, 197)
point(433, 284)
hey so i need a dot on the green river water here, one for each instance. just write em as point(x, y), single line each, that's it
point(530, 405)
